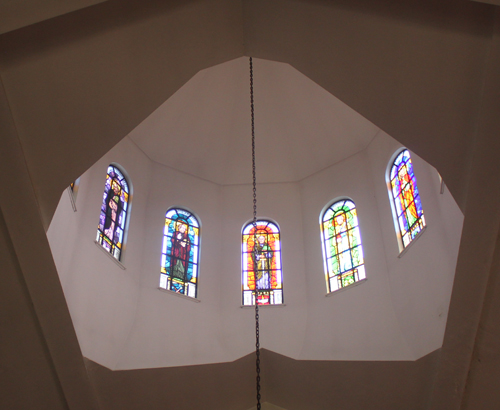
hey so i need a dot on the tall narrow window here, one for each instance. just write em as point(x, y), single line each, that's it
point(342, 250)
point(73, 192)
point(261, 264)
point(180, 253)
point(406, 200)
point(114, 210)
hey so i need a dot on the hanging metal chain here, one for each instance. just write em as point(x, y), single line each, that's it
point(254, 222)
point(254, 179)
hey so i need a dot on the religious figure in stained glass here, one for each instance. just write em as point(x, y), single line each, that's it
point(407, 205)
point(113, 218)
point(261, 262)
point(114, 207)
point(179, 262)
point(342, 250)
point(262, 259)
point(341, 240)
point(181, 250)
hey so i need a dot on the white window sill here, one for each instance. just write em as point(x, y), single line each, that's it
point(110, 256)
point(352, 285)
point(262, 306)
point(412, 242)
point(180, 295)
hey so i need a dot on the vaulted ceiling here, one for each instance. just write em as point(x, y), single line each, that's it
point(203, 128)
point(78, 77)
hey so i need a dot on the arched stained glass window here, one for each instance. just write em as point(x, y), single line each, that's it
point(114, 210)
point(407, 206)
point(342, 250)
point(180, 252)
point(261, 264)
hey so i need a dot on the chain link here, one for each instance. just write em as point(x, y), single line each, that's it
point(254, 222)
point(254, 179)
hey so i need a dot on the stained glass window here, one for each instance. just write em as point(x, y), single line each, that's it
point(180, 252)
point(261, 264)
point(342, 250)
point(114, 209)
point(404, 192)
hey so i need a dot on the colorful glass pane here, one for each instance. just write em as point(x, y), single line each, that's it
point(261, 264)
point(342, 250)
point(407, 205)
point(180, 253)
point(114, 209)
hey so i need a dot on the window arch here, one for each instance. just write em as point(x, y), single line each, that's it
point(114, 212)
point(180, 252)
point(261, 264)
point(406, 205)
point(342, 249)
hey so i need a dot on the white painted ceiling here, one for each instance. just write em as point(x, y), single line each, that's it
point(204, 128)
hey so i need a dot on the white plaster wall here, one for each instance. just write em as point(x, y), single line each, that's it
point(170, 330)
point(173, 331)
point(356, 323)
point(421, 279)
point(282, 327)
point(102, 298)
point(124, 321)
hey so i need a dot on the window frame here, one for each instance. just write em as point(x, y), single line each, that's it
point(125, 221)
point(420, 220)
point(166, 278)
point(276, 294)
point(358, 274)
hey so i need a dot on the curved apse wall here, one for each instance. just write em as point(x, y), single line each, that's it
point(123, 321)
